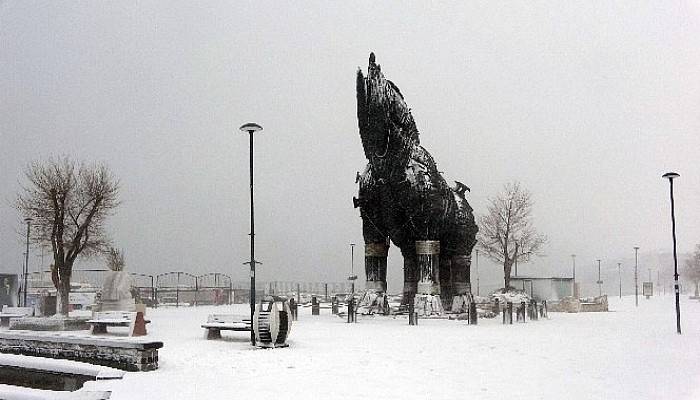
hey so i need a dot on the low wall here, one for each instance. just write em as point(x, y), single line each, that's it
point(128, 354)
point(573, 305)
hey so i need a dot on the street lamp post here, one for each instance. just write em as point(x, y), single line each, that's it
point(352, 278)
point(619, 275)
point(671, 176)
point(28, 220)
point(600, 283)
point(636, 283)
point(251, 128)
point(352, 269)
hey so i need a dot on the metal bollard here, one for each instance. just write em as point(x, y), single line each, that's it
point(351, 310)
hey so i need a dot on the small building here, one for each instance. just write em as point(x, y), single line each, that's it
point(550, 289)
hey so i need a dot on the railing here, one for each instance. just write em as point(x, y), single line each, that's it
point(183, 288)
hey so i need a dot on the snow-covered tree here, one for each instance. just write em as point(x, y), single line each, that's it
point(69, 204)
point(506, 233)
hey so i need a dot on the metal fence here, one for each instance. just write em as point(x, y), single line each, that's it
point(179, 288)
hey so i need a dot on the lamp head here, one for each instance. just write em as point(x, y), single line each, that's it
point(670, 175)
point(28, 219)
point(250, 127)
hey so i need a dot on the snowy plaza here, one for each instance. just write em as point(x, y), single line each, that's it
point(349, 200)
point(625, 353)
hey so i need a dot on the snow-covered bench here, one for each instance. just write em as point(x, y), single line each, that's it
point(135, 323)
point(13, 312)
point(225, 322)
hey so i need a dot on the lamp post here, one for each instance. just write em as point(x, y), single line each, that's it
point(619, 275)
point(477, 272)
point(636, 283)
point(352, 276)
point(28, 220)
point(573, 265)
point(671, 176)
point(600, 283)
point(251, 128)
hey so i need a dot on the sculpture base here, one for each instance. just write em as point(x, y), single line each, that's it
point(427, 304)
point(373, 302)
point(460, 303)
point(117, 305)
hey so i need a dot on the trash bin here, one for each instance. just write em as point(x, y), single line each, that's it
point(272, 322)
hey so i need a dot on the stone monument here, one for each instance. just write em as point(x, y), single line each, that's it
point(403, 199)
point(116, 289)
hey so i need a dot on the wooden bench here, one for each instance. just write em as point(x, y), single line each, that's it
point(133, 320)
point(13, 312)
point(225, 322)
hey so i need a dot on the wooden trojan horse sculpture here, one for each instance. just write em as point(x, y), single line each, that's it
point(403, 199)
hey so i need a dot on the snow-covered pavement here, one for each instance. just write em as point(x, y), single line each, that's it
point(629, 353)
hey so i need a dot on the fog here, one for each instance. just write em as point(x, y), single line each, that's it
point(587, 105)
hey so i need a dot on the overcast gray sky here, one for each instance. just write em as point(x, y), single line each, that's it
point(586, 104)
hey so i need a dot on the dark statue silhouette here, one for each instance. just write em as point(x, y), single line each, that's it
point(404, 200)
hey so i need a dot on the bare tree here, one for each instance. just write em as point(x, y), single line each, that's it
point(506, 233)
point(115, 259)
point(692, 268)
point(69, 204)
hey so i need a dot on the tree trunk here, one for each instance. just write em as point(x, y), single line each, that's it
point(507, 266)
point(63, 289)
point(62, 297)
point(696, 288)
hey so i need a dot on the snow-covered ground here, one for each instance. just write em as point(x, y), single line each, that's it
point(629, 353)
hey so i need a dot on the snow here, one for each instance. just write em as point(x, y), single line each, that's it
point(9, 392)
point(629, 353)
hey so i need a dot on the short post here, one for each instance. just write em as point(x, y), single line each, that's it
point(315, 306)
point(496, 306)
point(351, 310)
point(293, 308)
point(544, 308)
point(534, 316)
point(521, 312)
point(509, 306)
point(334, 305)
point(473, 317)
